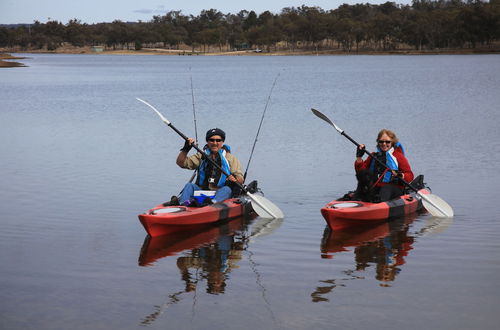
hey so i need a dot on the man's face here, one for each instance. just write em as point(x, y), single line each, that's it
point(215, 143)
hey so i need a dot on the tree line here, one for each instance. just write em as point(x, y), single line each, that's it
point(423, 25)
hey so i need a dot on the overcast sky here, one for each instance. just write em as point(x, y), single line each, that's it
point(96, 11)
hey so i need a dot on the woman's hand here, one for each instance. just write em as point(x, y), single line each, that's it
point(398, 174)
point(360, 151)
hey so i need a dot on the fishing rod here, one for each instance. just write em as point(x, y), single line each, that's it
point(194, 112)
point(194, 118)
point(260, 125)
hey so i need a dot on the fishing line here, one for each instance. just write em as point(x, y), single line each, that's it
point(258, 281)
point(160, 309)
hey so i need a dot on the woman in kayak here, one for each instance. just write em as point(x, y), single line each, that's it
point(209, 177)
point(390, 152)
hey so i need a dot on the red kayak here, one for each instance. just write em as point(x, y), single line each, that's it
point(162, 220)
point(341, 214)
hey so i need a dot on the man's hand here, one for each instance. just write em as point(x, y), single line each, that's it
point(188, 144)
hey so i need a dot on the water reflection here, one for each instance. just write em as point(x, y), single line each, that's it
point(384, 246)
point(208, 255)
point(155, 248)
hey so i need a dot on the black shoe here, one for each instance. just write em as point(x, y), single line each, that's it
point(174, 200)
point(193, 202)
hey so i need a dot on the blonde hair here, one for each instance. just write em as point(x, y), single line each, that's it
point(389, 133)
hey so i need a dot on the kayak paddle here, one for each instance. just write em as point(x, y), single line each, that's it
point(261, 205)
point(432, 203)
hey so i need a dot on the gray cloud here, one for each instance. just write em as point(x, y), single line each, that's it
point(158, 10)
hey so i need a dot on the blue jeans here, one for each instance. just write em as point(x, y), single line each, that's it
point(222, 193)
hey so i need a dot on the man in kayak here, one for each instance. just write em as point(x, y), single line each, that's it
point(390, 152)
point(209, 177)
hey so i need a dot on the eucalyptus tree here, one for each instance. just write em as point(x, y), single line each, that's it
point(234, 26)
point(211, 29)
point(18, 37)
point(480, 22)
point(6, 39)
point(291, 27)
point(36, 37)
point(53, 34)
point(250, 21)
point(313, 25)
point(343, 32)
point(76, 33)
point(118, 34)
point(170, 29)
point(97, 34)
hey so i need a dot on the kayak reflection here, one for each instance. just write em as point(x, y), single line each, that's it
point(208, 254)
point(384, 245)
point(155, 248)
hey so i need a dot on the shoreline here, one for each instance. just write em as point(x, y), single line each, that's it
point(493, 49)
point(6, 59)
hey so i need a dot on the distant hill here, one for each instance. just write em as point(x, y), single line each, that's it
point(14, 26)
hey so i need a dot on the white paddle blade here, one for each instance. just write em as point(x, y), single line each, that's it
point(264, 207)
point(165, 120)
point(437, 206)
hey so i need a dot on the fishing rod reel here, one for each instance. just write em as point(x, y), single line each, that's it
point(252, 188)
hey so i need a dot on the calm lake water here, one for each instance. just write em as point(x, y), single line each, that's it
point(81, 158)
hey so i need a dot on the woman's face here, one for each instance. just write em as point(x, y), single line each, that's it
point(384, 142)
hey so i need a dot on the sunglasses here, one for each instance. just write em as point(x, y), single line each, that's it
point(215, 140)
point(384, 141)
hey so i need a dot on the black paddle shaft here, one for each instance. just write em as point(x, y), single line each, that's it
point(350, 139)
point(204, 156)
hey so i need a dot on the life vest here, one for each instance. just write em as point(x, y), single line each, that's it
point(209, 174)
point(390, 160)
